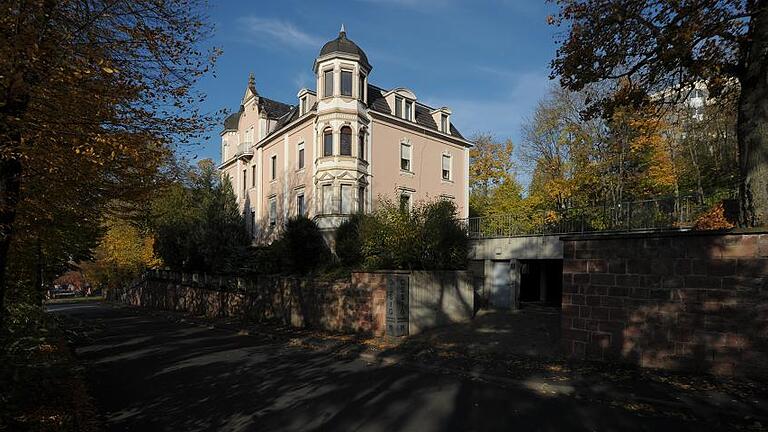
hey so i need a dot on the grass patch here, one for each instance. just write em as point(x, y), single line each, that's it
point(41, 384)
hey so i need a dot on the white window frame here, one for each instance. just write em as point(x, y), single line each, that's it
point(362, 195)
point(443, 158)
point(300, 156)
point(409, 195)
point(272, 211)
point(323, 141)
point(408, 146)
point(346, 201)
point(351, 82)
point(327, 203)
point(301, 204)
point(325, 85)
point(273, 167)
point(408, 115)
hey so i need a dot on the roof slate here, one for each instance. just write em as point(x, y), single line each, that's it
point(285, 114)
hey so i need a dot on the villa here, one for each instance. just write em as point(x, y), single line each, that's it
point(341, 148)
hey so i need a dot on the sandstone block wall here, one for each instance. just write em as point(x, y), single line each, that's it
point(676, 301)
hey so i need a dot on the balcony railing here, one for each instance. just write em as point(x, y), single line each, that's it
point(244, 149)
point(676, 213)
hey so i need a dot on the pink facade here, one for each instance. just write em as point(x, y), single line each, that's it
point(341, 149)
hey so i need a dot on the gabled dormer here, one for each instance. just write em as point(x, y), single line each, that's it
point(442, 118)
point(403, 103)
point(307, 99)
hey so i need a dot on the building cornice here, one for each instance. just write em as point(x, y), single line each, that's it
point(419, 128)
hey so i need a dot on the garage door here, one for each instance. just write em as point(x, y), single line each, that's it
point(501, 291)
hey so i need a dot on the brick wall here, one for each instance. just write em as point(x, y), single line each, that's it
point(354, 305)
point(696, 301)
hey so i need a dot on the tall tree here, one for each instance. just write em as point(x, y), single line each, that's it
point(92, 95)
point(667, 47)
point(490, 164)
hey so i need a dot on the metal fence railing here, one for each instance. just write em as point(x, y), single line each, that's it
point(653, 214)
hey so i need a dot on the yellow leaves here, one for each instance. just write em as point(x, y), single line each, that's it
point(124, 251)
point(713, 219)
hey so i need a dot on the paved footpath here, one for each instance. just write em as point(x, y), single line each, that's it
point(148, 373)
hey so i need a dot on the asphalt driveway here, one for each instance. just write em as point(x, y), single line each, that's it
point(148, 373)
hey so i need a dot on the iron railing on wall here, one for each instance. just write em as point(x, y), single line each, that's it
point(652, 214)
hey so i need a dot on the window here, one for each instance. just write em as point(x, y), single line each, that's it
point(245, 179)
point(272, 211)
point(398, 106)
point(346, 83)
point(300, 204)
point(274, 167)
point(361, 146)
point(328, 83)
point(327, 199)
point(300, 156)
point(408, 110)
point(327, 143)
point(405, 202)
point(346, 141)
point(248, 136)
point(361, 199)
point(405, 157)
point(444, 123)
point(253, 175)
point(446, 167)
point(345, 204)
point(361, 88)
point(303, 105)
point(253, 223)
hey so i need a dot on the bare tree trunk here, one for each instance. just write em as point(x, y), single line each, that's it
point(10, 188)
point(752, 126)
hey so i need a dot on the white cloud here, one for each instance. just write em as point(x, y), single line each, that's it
point(267, 31)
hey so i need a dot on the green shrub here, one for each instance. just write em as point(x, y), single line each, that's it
point(303, 246)
point(427, 237)
point(348, 242)
point(444, 242)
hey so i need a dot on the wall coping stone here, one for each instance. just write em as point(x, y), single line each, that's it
point(665, 233)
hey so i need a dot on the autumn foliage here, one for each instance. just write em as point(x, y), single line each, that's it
point(713, 219)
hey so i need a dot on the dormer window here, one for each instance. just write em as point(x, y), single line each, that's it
point(398, 106)
point(346, 83)
point(303, 106)
point(443, 123)
point(408, 110)
point(328, 83)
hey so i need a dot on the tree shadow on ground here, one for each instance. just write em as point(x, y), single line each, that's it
point(151, 374)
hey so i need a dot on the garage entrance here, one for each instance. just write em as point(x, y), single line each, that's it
point(501, 290)
point(541, 282)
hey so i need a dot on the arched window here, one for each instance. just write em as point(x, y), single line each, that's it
point(328, 142)
point(346, 141)
point(361, 146)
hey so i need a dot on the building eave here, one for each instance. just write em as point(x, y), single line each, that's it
point(420, 128)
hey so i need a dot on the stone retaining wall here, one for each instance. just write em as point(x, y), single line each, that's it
point(355, 305)
point(675, 301)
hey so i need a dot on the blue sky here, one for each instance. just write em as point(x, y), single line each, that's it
point(488, 60)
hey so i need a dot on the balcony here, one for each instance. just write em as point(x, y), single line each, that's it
point(244, 149)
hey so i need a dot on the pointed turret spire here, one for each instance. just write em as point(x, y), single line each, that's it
point(342, 32)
